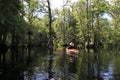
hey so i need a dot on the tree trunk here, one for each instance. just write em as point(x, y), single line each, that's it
point(50, 41)
point(97, 31)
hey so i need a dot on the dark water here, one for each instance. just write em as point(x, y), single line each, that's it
point(36, 64)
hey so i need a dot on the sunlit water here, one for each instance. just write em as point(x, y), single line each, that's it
point(38, 65)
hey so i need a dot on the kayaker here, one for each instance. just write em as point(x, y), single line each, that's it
point(71, 45)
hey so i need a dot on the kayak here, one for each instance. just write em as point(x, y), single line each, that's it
point(72, 52)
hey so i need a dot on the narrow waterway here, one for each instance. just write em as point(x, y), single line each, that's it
point(36, 64)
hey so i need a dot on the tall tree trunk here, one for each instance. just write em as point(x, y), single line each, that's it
point(87, 15)
point(50, 41)
point(97, 25)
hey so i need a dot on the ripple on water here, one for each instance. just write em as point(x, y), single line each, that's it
point(107, 74)
point(38, 75)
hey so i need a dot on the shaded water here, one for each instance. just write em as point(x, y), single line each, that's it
point(36, 64)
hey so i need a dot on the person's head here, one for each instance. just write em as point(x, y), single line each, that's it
point(71, 44)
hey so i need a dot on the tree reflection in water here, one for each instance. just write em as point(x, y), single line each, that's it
point(48, 75)
point(38, 75)
point(36, 65)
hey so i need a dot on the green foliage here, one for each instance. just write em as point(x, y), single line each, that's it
point(21, 20)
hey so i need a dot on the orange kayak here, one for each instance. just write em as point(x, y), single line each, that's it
point(72, 52)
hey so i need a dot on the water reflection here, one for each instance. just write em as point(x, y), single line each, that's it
point(50, 70)
point(32, 64)
point(12, 63)
point(89, 66)
point(38, 75)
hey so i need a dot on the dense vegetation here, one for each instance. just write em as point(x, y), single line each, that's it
point(32, 22)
